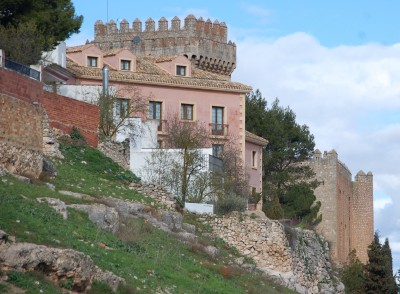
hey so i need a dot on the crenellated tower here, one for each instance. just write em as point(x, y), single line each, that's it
point(346, 206)
point(362, 216)
point(203, 42)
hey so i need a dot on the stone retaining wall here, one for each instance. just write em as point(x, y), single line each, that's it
point(157, 193)
point(296, 258)
point(118, 152)
point(20, 137)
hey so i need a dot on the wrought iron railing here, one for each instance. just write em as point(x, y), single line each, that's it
point(219, 129)
point(22, 69)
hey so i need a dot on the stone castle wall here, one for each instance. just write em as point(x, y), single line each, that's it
point(325, 169)
point(346, 207)
point(203, 42)
point(20, 137)
point(362, 214)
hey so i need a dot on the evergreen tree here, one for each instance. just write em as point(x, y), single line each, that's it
point(52, 20)
point(353, 276)
point(290, 144)
point(389, 278)
point(379, 278)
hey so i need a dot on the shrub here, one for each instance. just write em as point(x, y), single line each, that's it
point(227, 204)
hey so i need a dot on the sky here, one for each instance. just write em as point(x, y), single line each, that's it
point(335, 63)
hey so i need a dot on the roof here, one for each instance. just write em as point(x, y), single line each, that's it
point(114, 52)
point(252, 138)
point(147, 72)
point(78, 48)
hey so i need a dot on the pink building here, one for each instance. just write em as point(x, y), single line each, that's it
point(176, 86)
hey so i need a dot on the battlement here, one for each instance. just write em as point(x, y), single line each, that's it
point(205, 43)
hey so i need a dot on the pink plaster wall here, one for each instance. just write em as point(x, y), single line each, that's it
point(203, 100)
point(255, 173)
point(170, 66)
point(115, 60)
point(81, 57)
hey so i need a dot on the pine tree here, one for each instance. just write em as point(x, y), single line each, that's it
point(286, 179)
point(389, 278)
point(353, 276)
point(379, 277)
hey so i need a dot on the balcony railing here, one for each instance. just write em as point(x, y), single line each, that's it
point(219, 129)
point(22, 69)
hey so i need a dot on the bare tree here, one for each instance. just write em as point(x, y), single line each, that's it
point(118, 106)
point(188, 137)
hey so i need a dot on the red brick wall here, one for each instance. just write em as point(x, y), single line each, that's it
point(20, 86)
point(63, 112)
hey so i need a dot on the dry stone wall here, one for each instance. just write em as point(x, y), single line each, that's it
point(20, 137)
point(298, 259)
point(156, 192)
point(119, 152)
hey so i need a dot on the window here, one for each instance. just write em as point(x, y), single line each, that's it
point(254, 158)
point(218, 150)
point(186, 111)
point(125, 65)
point(155, 112)
point(217, 121)
point(180, 70)
point(121, 107)
point(92, 61)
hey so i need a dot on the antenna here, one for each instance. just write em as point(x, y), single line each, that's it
point(107, 10)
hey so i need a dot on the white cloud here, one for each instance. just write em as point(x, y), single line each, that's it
point(349, 96)
point(256, 10)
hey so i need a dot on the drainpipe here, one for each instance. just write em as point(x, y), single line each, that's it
point(105, 81)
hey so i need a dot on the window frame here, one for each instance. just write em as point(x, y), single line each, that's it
point(178, 70)
point(218, 150)
point(124, 62)
point(185, 113)
point(153, 109)
point(254, 159)
point(217, 121)
point(90, 60)
point(119, 107)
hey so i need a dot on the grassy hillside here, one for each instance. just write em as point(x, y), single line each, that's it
point(148, 259)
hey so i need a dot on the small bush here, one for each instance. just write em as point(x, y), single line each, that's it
point(226, 272)
point(228, 204)
point(76, 135)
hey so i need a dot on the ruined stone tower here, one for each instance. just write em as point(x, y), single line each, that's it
point(346, 207)
point(203, 42)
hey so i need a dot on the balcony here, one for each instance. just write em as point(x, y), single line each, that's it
point(22, 69)
point(219, 129)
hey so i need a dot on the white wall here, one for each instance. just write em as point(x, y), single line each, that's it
point(58, 55)
point(140, 134)
point(139, 157)
point(199, 207)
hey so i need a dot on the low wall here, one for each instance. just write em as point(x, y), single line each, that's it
point(157, 193)
point(20, 137)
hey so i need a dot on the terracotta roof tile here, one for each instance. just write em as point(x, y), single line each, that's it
point(78, 48)
point(250, 137)
point(113, 52)
point(148, 72)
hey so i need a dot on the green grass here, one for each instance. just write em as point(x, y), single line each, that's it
point(146, 257)
point(34, 283)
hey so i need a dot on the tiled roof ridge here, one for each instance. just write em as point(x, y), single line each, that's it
point(256, 139)
point(123, 76)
